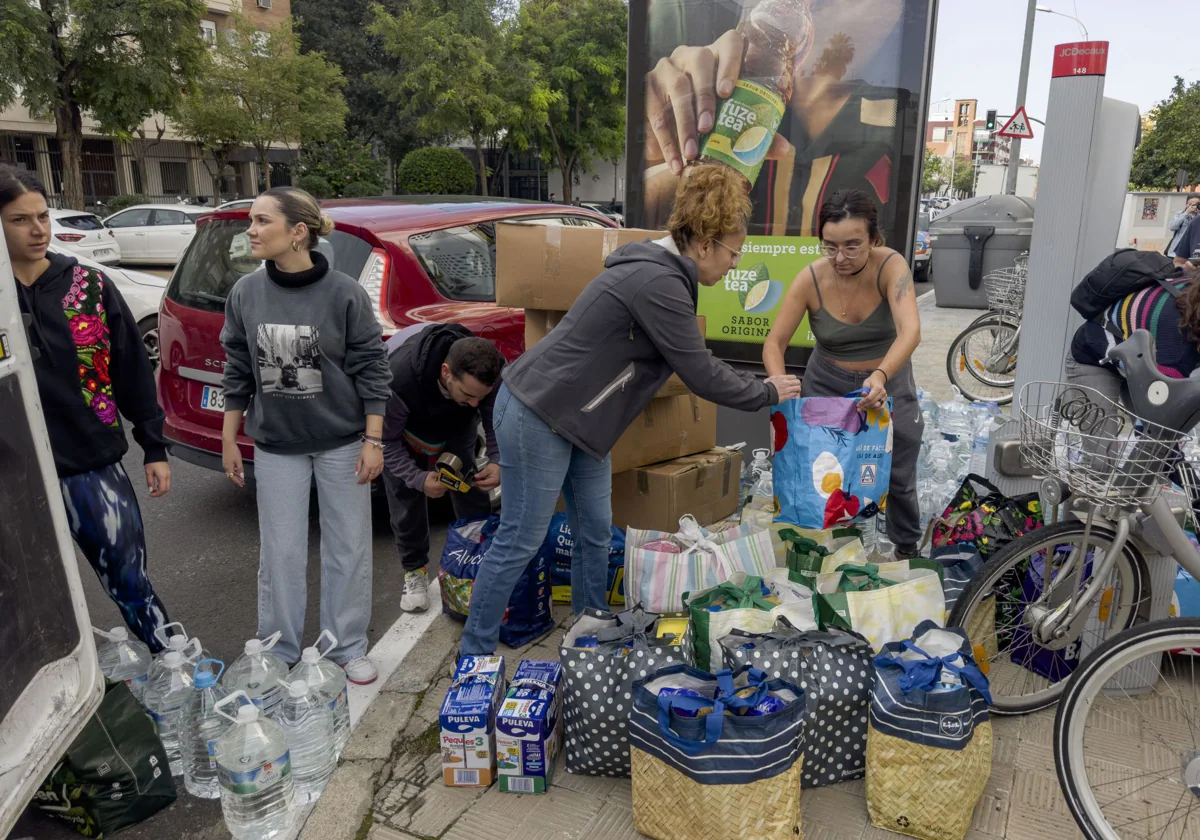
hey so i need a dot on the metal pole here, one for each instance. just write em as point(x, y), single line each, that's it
point(1022, 84)
point(953, 158)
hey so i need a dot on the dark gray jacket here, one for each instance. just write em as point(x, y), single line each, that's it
point(631, 328)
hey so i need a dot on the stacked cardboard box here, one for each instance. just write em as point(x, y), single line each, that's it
point(543, 269)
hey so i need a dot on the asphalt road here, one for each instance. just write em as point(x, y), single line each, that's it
point(202, 540)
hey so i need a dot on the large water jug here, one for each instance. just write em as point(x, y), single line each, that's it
point(123, 658)
point(257, 672)
point(328, 680)
point(308, 724)
point(929, 410)
point(759, 463)
point(258, 793)
point(164, 699)
point(201, 726)
point(954, 419)
point(179, 641)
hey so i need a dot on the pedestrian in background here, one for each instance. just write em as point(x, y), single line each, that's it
point(564, 403)
point(443, 378)
point(91, 365)
point(1179, 224)
point(306, 364)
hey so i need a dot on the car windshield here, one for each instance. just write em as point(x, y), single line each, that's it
point(83, 222)
point(220, 255)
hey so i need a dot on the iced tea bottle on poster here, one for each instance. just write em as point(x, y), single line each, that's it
point(778, 35)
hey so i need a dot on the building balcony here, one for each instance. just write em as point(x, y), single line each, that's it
point(224, 7)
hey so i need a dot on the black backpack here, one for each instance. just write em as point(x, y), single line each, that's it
point(1117, 276)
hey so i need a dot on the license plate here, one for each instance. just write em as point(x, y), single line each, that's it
point(212, 399)
point(104, 252)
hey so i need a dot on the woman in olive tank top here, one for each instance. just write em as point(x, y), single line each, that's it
point(863, 313)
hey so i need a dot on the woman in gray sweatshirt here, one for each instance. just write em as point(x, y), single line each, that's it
point(306, 364)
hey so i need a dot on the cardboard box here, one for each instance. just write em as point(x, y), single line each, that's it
point(547, 266)
point(539, 322)
point(527, 731)
point(669, 427)
point(468, 722)
point(705, 485)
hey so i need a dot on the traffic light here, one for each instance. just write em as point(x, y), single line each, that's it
point(991, 120)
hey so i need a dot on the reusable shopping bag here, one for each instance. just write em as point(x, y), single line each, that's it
point(988, 521)
point(832, 461)
point(929, 740)
point(657, 579)
point(598, 684)
point(1054, 665)
point(745, 602)
point(883, 609)
point(557, 547)
point(806, 555)
point(960, 564)
point(713, 765)
point(528, 615)
point(115, 773)
point(834, 669)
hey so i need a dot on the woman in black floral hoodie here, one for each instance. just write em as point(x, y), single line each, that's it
point(91, 365)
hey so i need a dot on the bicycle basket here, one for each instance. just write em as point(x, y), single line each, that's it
point(1099, 449)
point(1005, 288)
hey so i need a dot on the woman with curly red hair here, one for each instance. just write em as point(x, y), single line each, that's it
point(564, 403)
point(91, 365)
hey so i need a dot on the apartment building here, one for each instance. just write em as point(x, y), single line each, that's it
point(157, 163)
point(962, 133)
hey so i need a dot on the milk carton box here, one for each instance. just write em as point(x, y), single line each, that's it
point(468, 722)
point(528, 735)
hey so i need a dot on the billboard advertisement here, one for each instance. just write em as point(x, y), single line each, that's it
point(803, 97)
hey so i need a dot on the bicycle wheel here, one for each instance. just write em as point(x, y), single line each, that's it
point(985, 344)
point(1127, 735)
point(1024, 675)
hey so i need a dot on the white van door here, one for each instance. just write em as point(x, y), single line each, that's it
point(50, 683)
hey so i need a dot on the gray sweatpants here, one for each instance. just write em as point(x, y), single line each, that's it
point(823, 378)
point(284, 483)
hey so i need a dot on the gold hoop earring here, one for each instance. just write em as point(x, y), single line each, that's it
point(295, 246)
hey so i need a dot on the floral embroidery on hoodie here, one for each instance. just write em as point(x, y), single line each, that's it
point(84, 307)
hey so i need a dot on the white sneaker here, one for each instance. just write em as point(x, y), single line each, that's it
point(416, 592)
point(361, 671)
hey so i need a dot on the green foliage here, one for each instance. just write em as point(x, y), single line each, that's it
point(361, 189)
point(316, 185)
point(575, 52)
point(118, 60)
point(342, 161)
point(933, 173)
point(1173, 141)
point(121, 202)
point(434, 171)
point(457, 80)
point(964, 177)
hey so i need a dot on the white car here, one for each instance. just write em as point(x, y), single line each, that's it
point(84, 235)
point(155, 233)
point(237, 204)
point(143, 295)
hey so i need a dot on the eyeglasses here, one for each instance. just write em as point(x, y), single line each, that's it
point(737, 255)
point(847, 251)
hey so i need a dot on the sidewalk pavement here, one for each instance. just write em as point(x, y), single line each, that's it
point(389, 784)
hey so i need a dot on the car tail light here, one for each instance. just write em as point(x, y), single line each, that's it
point(374, 280)
point(69, 237)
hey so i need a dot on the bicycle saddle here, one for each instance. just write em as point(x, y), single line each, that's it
point(1154, 396)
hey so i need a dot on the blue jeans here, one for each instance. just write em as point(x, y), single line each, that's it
point(535, 465)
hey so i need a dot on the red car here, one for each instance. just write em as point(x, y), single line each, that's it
point(424, 259)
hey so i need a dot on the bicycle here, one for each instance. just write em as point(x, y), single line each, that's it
point(1051, 597)
point(987, 348)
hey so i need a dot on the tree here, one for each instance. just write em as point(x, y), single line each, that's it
point(434, 171)
point(118, 60)
point(577, 51)
point(454, 85)
point(341, 162)
point(964, 177)
point(213, 117)
point(836, 57)
point(283, 95)
point(933, 173)
point(1173, 141)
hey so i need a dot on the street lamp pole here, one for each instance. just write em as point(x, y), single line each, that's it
point(1014, 154)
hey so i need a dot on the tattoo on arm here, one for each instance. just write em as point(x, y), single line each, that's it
point(903, 285)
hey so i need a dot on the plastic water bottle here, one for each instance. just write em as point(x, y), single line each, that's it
point(257, 672)
point(954, 419)
point(308, 724)
point(202, 725)
point(979, 448)
point(328, 680)
point(760, 463)
point(180, 641)
point(258, 793)
point(883, 545)
point(164, 700)
point(123, 658)
point(929, 409)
